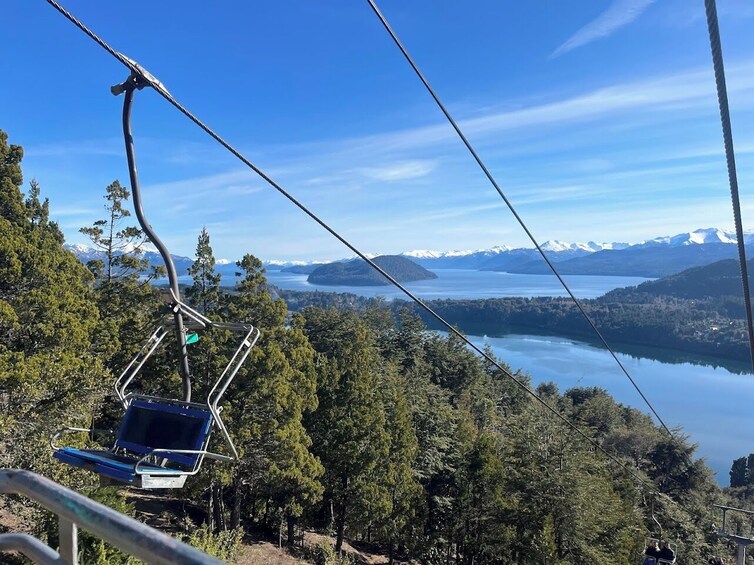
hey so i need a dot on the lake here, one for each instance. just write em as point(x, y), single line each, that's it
point(712, 404)
point(467, 284)
point(709, 402)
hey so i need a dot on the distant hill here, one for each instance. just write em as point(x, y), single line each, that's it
point(301, 269)
point(718, 280)
point(359, 273)
point(638, 261)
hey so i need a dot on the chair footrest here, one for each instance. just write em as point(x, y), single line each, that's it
point(118, 467)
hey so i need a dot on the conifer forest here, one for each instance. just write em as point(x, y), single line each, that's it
point(357, 424)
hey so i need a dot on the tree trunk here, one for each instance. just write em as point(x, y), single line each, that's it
point(235, 512)
point(217, 505)
point(280, 532)
point(265, 523)
point(291, 529)
point(211, 506)
point(340, 527)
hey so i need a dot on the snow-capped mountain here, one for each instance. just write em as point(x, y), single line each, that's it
point(559, 246)
point(86, 253)
point(653, 257)
point(425, 254)
point(697, 237)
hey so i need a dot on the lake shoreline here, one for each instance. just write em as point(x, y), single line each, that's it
point(636, 348)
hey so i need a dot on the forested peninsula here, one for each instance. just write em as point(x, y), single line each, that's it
point(698, 311)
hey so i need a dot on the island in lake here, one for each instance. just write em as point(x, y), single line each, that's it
point(359, 273)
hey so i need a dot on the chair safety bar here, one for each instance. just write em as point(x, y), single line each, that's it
point(137, 363)
point(222, 384)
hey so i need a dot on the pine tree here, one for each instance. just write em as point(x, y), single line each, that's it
point(49, 375)
point(129, 307)
point(210, 355)
point(349, 425)
point(121, 245)
point(204, 294)
point(400, 526)
point(270, 397)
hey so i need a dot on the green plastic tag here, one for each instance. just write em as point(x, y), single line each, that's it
point(192, 338)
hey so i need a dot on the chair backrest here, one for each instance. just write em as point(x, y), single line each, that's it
point(149, 425)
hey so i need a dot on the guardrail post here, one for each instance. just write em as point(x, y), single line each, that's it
point(68, 536)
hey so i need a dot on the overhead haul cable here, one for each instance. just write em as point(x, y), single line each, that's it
point(508, 203)
point(730, 156)
point(167, 96)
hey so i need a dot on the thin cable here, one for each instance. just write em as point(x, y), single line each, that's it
point(165, 94)
point(510, 207)
point(730, 156)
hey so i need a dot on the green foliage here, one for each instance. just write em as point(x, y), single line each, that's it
point(349, 425)
point(742, 471)
point(323, 553)
point(94, 550)
point(121, 245)
point(223, 545)
point(49, 373)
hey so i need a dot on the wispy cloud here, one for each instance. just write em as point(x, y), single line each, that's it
point(619, 14)
point(404, 170)
point(106, 147)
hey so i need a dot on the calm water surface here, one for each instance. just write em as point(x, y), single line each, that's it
point(713, 405)
point(466, 284)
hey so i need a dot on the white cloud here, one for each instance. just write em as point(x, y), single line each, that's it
point(620, 13)
point(404, 170)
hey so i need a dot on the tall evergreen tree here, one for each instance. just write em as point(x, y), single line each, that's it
point(349, 425)
point(49, 375)
point(204, 294)
point(129, 306)
point(122, 245)
point(270, 397)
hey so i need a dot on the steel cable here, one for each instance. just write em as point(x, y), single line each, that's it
point(165, 94)
point(508, 203)
point(730, 157)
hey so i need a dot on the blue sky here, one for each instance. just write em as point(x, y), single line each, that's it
point(598, 118)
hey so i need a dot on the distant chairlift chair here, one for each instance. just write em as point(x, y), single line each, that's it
point(653, 560)
point(161, 441)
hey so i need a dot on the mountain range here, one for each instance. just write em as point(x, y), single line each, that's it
point(653, 258)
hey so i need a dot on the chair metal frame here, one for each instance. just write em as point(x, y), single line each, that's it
point(175, 478)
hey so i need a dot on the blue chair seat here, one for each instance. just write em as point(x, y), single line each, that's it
point(102, 462)
point(149, 425)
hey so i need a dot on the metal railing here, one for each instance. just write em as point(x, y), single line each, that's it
point(741, 541)
point(75, 510)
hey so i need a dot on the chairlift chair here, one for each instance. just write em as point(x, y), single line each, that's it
point(160, 441)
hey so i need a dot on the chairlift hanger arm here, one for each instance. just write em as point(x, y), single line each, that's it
point(138, 79)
